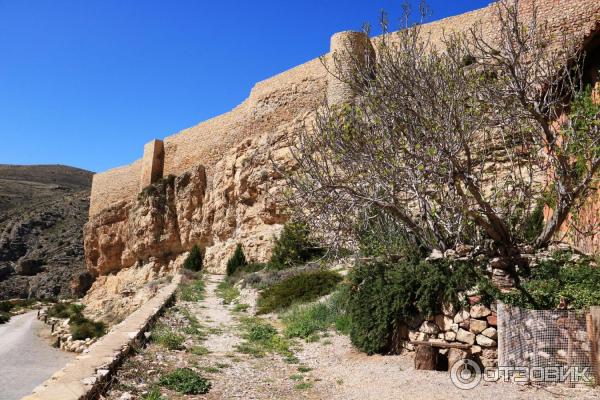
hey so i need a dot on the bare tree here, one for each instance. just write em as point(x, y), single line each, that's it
point(463, 142)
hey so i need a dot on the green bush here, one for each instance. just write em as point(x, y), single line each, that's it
point(383, 294)
point(65, 310)
point(83, 328)
point(304, 287)
point(6, 306)
point(558, 278)
point(186, 381)
point(293, 247)
point(237, 260)
point(193, 262)
point(4, 317)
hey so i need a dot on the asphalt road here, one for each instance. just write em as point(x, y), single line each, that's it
point(26, 360)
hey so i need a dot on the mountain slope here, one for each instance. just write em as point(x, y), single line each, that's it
point(42, 213)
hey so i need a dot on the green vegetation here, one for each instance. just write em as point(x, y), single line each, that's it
point(162, 335)
point(65, 310)
point(199, 350)
point(261, 338)
point(81, 327)
point(227, 292)
point(383, 294)
point(306, 320)
point(293, 247)
point(236, 261)
point(304, 368)
point(4, 317)
point(153, 394)
point(186, 381)
point(303, 386)
point(297, 377)
point(192, 291)
point(242, 307)
point(576, 282)
point(193, 262)
point(304, 287)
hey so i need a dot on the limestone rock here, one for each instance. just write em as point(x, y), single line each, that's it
point(429, 327)
point(465, 336)
point(477, 325)
point(485, 341)
point(490, 332)
point(479, 311)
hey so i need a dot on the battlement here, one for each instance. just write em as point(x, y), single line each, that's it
point(278, 100)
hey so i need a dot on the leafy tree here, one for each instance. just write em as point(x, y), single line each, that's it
point(456, 143)
point(237, 260)
point(293, 246)
point(194, 260)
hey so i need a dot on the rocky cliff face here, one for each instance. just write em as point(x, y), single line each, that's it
point(42, 213)
point(240, 205)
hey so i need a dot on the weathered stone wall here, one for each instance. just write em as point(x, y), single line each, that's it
point(152, 163)
point(237, 203)
point(115, 185)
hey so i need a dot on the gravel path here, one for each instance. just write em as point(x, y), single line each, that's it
point(329, 369)
point(26, 360)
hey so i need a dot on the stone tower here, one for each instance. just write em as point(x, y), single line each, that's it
point(152, 163)
point(345, 47)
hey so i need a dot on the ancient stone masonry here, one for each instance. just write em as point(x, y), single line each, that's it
point(214, 184)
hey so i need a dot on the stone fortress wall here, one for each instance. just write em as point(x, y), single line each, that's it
point(281, 99)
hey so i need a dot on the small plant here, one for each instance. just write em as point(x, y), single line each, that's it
point(237, 260)
point(153, 394)
point(192, 291)
point(166, 338)
point(303, 386)
point(304, 287)
point(199, 350)
point(242, 307)
point(293, 247)
point(304, 369)
point(186, 381)
point(227, 292)
point(297, 377)
point(193, 262)
point(261, 337)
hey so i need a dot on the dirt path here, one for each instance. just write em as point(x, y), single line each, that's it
point(328, 369)
point(246, 376)
point(26, 360)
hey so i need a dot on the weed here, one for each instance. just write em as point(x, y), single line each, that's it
point(303, 386)
point(199, 350)
point(167, 338)
point(227, 292)
point(297, 377)
point(192, 291)
point(304, 368)
point(186, 381)
point(241, 307)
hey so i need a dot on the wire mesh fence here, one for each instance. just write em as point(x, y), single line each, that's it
point(552, 343)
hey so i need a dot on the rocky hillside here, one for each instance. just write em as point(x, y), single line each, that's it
point(42, 213)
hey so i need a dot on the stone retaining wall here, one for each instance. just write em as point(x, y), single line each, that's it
point(88, 375)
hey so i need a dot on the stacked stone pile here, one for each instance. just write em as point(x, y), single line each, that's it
point(475, 326)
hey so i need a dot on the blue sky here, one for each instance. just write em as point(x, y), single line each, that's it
point(87, 82)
